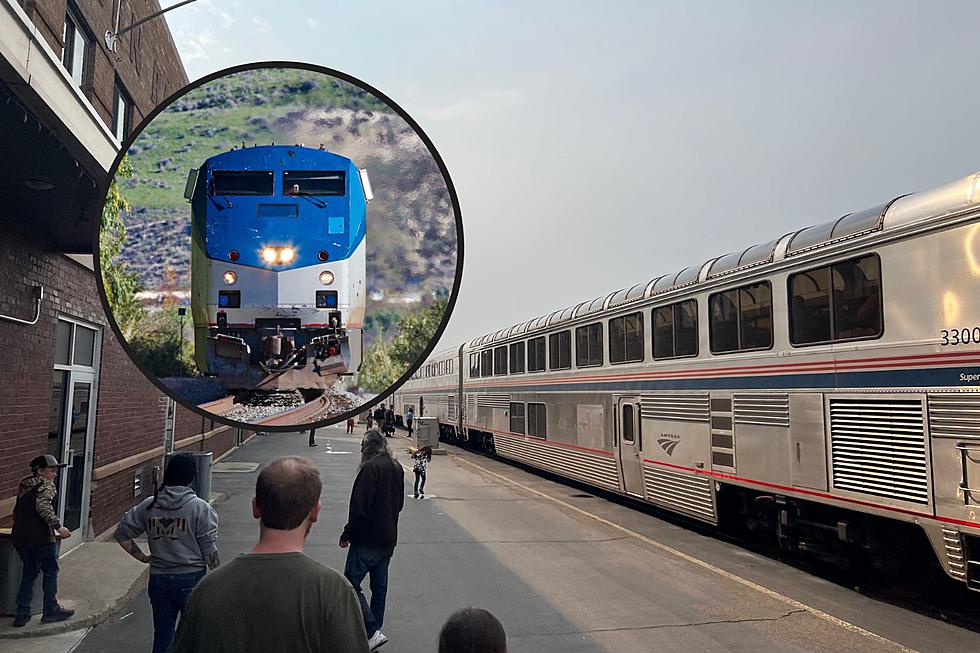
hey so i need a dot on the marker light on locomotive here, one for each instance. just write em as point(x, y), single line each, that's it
point(229, 277)
point(326, 277)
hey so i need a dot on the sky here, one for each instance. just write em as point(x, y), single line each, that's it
point(594, 146)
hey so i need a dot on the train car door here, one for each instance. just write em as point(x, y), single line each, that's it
point(630, 445)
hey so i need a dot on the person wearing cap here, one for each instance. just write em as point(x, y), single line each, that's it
point(35, 525)
point(182, 532)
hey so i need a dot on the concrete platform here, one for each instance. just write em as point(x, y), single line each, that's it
point(563, 570)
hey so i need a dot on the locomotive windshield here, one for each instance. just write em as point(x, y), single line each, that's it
point(313, 182)
point(242, 182)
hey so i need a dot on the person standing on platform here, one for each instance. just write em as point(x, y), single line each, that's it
point(370, 419)
point(422, 458)
point(390, 421)
point(35, 525)
point(312, 441)
point(410, 419)
point(350, 424)
point(379, 417)
point(371, 532)
point(182, 532)
point(275, 598)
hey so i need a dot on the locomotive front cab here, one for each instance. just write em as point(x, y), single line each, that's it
point(278, 265)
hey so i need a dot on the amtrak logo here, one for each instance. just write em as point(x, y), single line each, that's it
point(668, 442)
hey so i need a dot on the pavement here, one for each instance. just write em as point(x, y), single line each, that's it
point(562, 568)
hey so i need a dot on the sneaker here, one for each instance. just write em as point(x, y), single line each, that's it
point(61, 614)
point(377, 640)
point(416, 495)
point(421, 496)
point(20, 621)
point(314, 445)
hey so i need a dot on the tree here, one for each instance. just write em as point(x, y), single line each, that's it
point(121, 286)
point(384, 362)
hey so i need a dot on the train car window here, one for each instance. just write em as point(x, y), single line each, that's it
point(755, 316)
point(686, 328)
point(474, 366)
point(486, 362)
point(724, 321)
point(313, 182)
point(675, 330)
point(517, 418)
point(537, 421)
point(741, 319)
point(628, 436)
point(588, 345)
point(517, 358)
point(241, 182)
point(560, 350)
point(535, 354)
point(499, 361)
point(626, 338)
point(837, 302)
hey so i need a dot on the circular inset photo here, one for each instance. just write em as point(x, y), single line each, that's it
point(280, 245)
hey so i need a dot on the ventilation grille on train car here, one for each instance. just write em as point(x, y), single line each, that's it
point(452, 407)
point(493, 401)
point(765, 410)
point(681, 407)
point(955, 416)
point(878, 447)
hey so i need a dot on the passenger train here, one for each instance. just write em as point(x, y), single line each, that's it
point(278, 266)
point(823, 387)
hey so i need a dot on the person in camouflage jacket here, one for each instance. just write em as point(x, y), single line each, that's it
point(35, 525)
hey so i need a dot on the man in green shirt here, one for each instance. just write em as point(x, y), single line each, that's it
point(274, 598)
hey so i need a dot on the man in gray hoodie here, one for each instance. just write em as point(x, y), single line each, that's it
point(182, 530)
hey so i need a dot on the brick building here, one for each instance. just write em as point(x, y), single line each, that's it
point(66, 385)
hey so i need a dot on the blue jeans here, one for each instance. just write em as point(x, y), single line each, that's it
point(168, 596)
point(362, 561)
point(42, 558)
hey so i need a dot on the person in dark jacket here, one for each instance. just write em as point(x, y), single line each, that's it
point(35, 525)
point(371, 532)
point(181, 529)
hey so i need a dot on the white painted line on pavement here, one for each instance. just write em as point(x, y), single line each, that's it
point(820, 614)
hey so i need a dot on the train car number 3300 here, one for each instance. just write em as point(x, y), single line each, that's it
point(952, 337)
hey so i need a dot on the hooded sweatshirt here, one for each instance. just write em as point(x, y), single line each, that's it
point(182, 530)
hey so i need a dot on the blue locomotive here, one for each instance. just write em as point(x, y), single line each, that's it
point(278, 266)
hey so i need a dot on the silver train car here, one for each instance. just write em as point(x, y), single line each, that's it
point(823, 387)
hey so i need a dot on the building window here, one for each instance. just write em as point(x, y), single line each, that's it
point(517, 418)
point(741, 319)
point(675, 330)
point(75, 55)
point(499, 361)
point(588, 345)
point(626, 338)
point(836, 302)
point(122, 114)
point(560, 346)
point(517, 358)
point(537, 421)
point(535, 354)
point(486, 362)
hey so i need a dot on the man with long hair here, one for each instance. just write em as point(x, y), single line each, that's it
point(275, 598)
point(181, 529)
point(372, 528)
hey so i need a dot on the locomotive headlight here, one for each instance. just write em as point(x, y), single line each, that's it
point(229, 277)
point(326, 277)
point(286, 255)
point(269, 255)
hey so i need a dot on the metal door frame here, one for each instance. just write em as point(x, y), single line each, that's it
point(79, 374)
point(636, 448)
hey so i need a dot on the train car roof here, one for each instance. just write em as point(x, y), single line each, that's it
point(954, 198)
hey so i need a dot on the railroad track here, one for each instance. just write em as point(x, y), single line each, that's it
point(318, 409)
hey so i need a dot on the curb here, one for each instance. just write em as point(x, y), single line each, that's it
point(98, 617)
